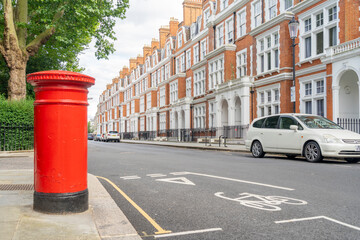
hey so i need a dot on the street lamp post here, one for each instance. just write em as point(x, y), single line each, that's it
point(293, 30)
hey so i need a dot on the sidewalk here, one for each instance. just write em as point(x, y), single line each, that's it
point(18, 221)
point(194, 145)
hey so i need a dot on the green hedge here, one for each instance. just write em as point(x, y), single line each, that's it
point(16, 112)
point(16, 124)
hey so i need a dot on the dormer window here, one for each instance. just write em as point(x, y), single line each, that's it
point(180, 41)
point(224, 4)
point(206, 16)
point(168, 49)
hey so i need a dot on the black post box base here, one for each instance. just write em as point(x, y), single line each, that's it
point(61, 203)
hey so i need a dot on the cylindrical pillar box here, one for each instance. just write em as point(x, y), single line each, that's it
point(60, 141)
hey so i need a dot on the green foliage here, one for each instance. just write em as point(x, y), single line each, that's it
point(76, 22)
point(16, 112)
point(90, 129)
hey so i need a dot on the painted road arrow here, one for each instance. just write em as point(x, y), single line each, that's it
point(179, 180)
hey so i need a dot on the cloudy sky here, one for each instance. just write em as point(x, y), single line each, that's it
point(142, 23)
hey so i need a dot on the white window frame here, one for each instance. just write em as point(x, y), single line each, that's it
point(199, 116)
point(180, 39)
point(162, 121)
point(241, 63)
point(203, 48)
point(220, 38)
point(196, 53)
point(264, 50)
point(132, 106)
point(142, 104)
point(263, 103)
point(256, 17)
point(182, 63)
point(216, 72)
point(167, 71)
point(229, 29)
point(188, 87)
point(241, 22)
point(162, 96)
point(199, 82)
point(317, 29)
point(148, 101)
point(212, 114)
point(271, 9)
point(206, 16)
point(188, 59)
point(315, 95)
point(173, 91)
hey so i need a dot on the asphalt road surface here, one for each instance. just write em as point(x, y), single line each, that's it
point(176, 193)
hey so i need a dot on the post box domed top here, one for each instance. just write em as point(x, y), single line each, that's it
point(59, 76)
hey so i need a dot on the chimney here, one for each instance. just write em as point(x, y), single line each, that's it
point(174, 25)
point(146, 51)
point(132, 62)
point(163, 32)
point(191, 10)
point(124, 72)
point(139, 60)
point(154, 44)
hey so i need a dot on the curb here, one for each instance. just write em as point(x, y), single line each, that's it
point(189, 147)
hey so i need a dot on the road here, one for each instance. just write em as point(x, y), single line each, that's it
point(176, 193)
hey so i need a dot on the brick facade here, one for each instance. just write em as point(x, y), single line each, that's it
point(229, 62)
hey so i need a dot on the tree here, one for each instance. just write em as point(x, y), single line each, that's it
point(55, 28)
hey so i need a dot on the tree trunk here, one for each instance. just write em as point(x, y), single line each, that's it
point(17, 81)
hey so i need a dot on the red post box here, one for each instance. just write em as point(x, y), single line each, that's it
point(60, 141)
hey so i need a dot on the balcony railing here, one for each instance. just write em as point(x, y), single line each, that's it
point(347, 46)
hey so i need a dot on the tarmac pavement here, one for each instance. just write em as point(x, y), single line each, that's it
point(103, 220)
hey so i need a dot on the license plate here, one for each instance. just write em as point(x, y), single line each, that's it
point(357, 148)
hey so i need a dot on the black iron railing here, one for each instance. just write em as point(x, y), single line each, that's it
point(16, 137)
point(352, 124)
point(147, 135)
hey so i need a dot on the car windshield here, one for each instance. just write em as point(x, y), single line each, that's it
point(318, 122)
point(113, 132)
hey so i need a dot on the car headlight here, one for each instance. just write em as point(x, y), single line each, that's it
point(331, 139)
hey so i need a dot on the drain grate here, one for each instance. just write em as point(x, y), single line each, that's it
point(16, 187)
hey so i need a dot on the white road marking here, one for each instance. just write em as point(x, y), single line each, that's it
point(242, 181)
point(156, 175)
point(319, 217)
point(179, 173)
point(188, 232)
point(180, 180)
point(130, 177)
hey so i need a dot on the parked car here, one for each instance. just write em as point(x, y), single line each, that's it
point(112, 136)
point(311, 136)
point(97, 137)
point(90, 136)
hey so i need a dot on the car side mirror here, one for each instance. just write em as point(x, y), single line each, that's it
point(294, 127)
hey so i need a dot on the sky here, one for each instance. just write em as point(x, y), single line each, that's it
point(141, 25)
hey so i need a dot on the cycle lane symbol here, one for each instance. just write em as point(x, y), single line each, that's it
point(267, 203)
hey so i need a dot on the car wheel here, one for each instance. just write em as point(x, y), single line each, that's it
point(312, 152)
point(291, 156)
point(352, 160)
point(257, 150)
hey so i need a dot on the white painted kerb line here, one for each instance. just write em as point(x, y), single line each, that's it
point(319, 217)
point(242, 181)
point(188, 232)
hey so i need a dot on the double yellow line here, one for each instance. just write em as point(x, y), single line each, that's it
point(159, 229)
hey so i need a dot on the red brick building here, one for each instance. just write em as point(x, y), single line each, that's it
point(230, 61)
